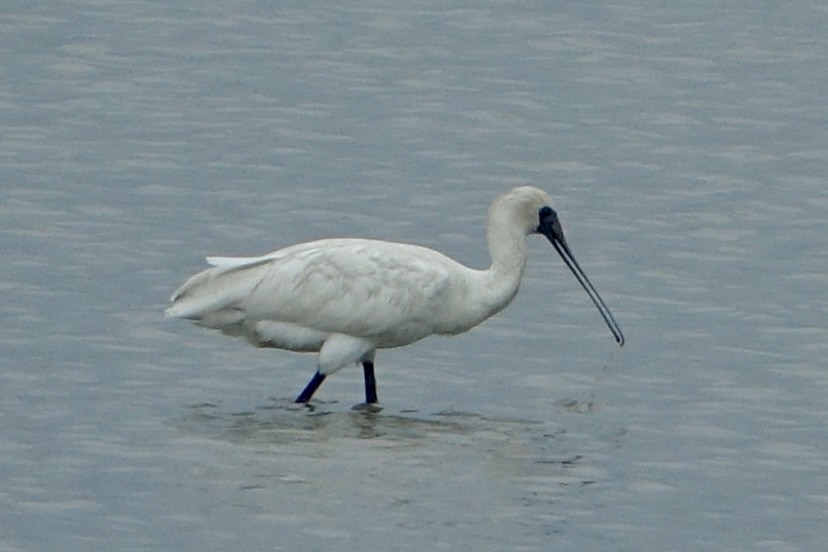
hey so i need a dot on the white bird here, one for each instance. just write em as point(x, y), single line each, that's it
point(346, 298)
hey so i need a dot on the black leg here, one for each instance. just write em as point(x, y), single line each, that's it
point(312, 386)
point(370, 382)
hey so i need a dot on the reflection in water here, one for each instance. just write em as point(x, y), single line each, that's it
point(283, 421)
point(412, 472)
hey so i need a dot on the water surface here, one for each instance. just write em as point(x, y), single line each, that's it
point(685, 146)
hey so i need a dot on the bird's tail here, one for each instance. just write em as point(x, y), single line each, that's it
point(220, 288)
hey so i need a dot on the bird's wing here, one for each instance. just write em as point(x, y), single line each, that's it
point(224, 286)
point(359, 287)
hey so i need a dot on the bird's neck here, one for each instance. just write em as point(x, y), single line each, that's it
point(484, 293)
point(507, 247)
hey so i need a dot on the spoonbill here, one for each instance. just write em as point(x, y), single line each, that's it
point(346, 298)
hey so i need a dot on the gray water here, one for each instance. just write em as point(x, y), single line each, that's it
point(686, 146)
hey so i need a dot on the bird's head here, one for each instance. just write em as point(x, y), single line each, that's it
point(536, 211)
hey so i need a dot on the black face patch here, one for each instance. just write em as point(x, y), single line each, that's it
point(546, 216)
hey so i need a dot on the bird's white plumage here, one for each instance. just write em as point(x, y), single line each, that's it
point(348, 297)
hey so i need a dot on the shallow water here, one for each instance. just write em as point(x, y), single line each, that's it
point(685, 146)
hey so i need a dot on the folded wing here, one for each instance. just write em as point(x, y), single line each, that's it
point(361, 288)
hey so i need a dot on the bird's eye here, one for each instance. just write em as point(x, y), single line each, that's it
point(545, 212)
